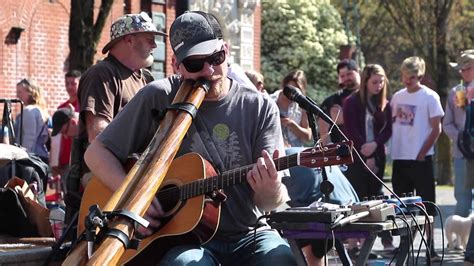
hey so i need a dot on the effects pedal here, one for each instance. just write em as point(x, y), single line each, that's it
point(409, 201)
point(379, 211)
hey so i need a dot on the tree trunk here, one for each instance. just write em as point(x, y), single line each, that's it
point(444, 170)
point(83, 34)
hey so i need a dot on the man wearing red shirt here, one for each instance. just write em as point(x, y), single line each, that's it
point(72, 83)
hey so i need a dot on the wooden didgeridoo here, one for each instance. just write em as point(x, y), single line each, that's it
point(144, 179)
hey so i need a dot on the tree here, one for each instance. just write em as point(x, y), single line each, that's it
point(84, 35)
point(301, 34)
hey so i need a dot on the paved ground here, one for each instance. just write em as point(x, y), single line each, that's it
point(445, 200)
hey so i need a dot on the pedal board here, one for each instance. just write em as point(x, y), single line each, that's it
point(308, 214)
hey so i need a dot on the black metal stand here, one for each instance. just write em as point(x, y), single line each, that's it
point(326, 186)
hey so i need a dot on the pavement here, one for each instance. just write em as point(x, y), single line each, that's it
point(446, 202)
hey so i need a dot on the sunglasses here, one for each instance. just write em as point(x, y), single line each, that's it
point(196, 65)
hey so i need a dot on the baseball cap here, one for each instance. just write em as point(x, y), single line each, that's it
point(130, 24)
point(195, 33)
point(466, 58)
point(60, 118)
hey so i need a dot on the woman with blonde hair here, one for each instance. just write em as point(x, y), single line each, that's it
point(35, 118)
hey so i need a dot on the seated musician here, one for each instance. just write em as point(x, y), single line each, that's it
point(238, 127)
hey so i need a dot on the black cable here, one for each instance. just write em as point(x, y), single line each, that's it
point(441, 221)
point(404, 219)
point(428, 246)
point(392, 218)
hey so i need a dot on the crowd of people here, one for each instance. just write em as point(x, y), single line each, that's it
point(108, 117)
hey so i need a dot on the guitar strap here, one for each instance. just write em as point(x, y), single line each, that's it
point(207, 143)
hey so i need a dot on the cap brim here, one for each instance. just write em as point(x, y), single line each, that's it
point(454, 65)
point(112, 42)
point(203, 48)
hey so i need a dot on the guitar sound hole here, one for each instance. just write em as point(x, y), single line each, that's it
point(168, 196)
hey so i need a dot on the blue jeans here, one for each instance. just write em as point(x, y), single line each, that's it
point(269, 249)
point(462, 192)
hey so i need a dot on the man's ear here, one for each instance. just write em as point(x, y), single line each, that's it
point(175, 64)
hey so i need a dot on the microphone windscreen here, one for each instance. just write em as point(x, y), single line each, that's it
point(291, 92)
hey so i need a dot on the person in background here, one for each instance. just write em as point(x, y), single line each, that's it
point(453, 123)
point(294, 120)
point(35, 119)
point(417, 113)
point(257, 80)
point(349, 78)
point(106, 87)
point(368, 123)
point(65, 125)
point(60, 165)
point(200, 52)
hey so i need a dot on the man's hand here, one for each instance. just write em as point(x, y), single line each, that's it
point(152, 215)
point(266, 183)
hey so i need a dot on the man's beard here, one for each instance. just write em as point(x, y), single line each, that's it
point(148, 61)
point(350, 85)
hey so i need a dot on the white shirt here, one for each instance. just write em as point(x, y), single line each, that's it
point(411, 114)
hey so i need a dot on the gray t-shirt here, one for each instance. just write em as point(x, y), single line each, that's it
point(241, 125)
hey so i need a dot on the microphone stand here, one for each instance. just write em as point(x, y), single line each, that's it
point(326, 186)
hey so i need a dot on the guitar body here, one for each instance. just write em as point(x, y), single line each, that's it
point(193, 221)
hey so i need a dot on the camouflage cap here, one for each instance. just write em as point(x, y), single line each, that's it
point(130, 24)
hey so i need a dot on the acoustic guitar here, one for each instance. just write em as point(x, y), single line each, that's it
point(190, 195)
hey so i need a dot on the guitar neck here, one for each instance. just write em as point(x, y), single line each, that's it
point(230, 178)
point(319, 156)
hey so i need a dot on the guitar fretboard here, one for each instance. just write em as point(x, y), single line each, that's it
point(230, 178)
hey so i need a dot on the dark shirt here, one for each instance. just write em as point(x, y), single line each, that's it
point(354, 124)
point(337, 98)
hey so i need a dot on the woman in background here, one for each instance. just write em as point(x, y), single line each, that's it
point(368, 123)
point(294, 121)
point(35, 118)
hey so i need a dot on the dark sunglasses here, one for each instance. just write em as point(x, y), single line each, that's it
point(196, 65)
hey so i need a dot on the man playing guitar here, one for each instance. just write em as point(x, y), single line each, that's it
point(235, 126)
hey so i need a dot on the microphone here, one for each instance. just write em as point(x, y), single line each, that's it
point(305, 103)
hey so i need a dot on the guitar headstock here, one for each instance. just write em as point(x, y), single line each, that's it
point(332, 154)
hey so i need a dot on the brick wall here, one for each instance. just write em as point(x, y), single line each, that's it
point(257, 30)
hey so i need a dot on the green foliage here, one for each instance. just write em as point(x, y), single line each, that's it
point(301, 34)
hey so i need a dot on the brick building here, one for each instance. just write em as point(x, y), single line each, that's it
point(35, 38)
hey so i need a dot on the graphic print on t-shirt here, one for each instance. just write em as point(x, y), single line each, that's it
point(226, 142)
point(405, 114)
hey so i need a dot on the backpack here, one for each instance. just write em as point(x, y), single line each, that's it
point(466, 137)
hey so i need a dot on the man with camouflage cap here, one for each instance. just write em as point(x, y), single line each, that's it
point(220, 136)
point(106, 87)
